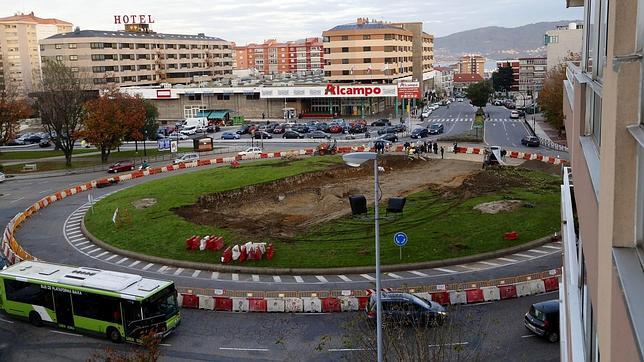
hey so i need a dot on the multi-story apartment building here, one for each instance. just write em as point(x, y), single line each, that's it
point(563, 43)
point(472, 64)
point(141, 57)
point(463, 81)
point(444, 80)
point(377, 52)
point(532, 72)
point(514, 64)
point(272, 57)
point(602, 298)
point(19, 51)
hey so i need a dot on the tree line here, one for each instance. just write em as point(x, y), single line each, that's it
point(70, 111)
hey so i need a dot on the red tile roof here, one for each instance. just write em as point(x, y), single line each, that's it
point(31, 18)
point(467, 78)
point(443, 69)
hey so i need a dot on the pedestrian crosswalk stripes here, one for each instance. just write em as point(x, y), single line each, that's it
point(443, 120)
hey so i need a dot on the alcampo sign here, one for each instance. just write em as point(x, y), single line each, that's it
point(346, 90)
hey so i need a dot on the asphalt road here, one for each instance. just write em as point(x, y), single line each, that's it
point(485, 332)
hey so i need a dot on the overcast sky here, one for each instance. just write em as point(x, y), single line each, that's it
point(244, 21)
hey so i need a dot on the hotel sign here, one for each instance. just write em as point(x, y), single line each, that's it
point(133, 19)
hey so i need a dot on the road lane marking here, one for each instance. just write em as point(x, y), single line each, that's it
point(196, 273)
point(147, 266)
point(243, 349)
point(445, 270)
point(135, 263)
point(235, 277)
point(345, 349)
point(489, 263)
point(163, 269)
point(255, 277)
point(475, 304)
point(396, 276)
point(277, 279)
point(449, 344)
point(87, 247)
point(44, 191)
point(6, 321)
point(529, 336)
point(214, 275)
point(66, 333)
point(368, 277)
point(298, 279)
point(122, 260)
point(420, 274)
point(73, 228)
point(538, 251)
point(344, 277)
point(16, 200)
point(551, 247)
point(508, 259)
point(111, 257)
point(83, 243)
point(321, 278)
point(524, 256)
point(101, 254)
point(178, 271)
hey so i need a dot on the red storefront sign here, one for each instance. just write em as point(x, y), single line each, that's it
point(164, 93)
point(408, 90)
point(346, 90)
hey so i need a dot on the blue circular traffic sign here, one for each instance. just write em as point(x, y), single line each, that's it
point(400, 239)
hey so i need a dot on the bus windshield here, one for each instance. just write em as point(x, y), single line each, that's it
point(163, 303)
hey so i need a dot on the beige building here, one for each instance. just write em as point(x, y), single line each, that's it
point(563, 43)
point(141, 57)
point(472, 64)
point(19, 52)
point(532, 73)
point(602, 299)
point(377, 52)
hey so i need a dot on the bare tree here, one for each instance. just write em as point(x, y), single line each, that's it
point(61, 105)
point(12, 110)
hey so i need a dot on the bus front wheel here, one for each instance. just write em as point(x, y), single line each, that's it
point(114, 335)
point(34, 319)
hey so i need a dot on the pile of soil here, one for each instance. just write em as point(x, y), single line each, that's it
point(287, 207)
point(548, 168)
point(495, 207)
point(144, 203)
point(485, 182)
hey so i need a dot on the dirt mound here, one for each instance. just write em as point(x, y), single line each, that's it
point(542, 166)
point(144, 203)
point(495, 207)
point(484, 182)
point(287, 207)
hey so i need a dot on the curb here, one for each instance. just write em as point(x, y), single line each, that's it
point(312, 271)
point(352, 301)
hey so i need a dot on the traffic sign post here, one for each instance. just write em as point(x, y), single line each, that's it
point(400, 239)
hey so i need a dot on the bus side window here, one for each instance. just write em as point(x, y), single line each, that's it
point(131, 311)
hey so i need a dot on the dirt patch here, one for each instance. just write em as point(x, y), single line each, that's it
point(548, 168)
point(495, 207)
point(287, 207)
point(144, 203)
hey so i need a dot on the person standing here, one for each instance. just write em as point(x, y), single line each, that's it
point(442, 152)
point(435, 148)
point(455, 148)
point(263, 115)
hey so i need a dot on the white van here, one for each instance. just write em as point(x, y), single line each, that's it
point(199, 122)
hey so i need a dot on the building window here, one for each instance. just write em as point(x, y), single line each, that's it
point(346, 72)
point(327, 73)
point(325, 39)
point(345, 61)
point(366, 49)
point(72, 45)
point(345, 50)
point(389, 36)
point(73, 57)
point(366, 60)
point(194, 97)
point(96, 45)
point(59, 46)
point(74, 69)
point(366, 37)
point(59, 58)
point(345, 37)
point(593, 116)
point(223, 97)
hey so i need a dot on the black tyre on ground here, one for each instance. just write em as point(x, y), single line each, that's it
point(113, 335)
point(34, 319)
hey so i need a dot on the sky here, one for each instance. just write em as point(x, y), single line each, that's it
point(244, 21)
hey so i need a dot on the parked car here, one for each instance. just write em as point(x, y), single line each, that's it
point(292, 134)
point(188, 157)
point(262, 135)
point(2, 177)
point(279, 129)
point(381, 123)
point(322, 126)
point(335, 128)
point(318, 134)
point(44, 143)
point(34, 138)
point(387, 130)
point(189, 130)
point(531, 141)
point(243, 129)
point(357, 128)
point(300, 128)
point(250, 151)
point(180, 136)
point(543, 320)
point(426, 113)
point(436, 128)
point(391, 137)
point(400, 127)
point(406, 308)
point(420, 133)
point(121, 166)
point(213, 128)
point(230, 136)
point(514, 114)
point(497, 102)
point(16, 142)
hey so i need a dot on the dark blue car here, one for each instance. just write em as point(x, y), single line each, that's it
point(229, 136)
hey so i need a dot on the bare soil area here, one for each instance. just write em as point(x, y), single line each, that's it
point(287, 207)
point(495, 207)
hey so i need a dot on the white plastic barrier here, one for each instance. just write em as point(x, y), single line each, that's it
point(457, 297)
point(537, 286)
point(206, 302)
point(275, 304)
point(349, 304)
point(491, 293)
point(240, 304)
point(312, 305)
point(424, 295)
point(293, 305)
point(523, 289)
point(180, 299)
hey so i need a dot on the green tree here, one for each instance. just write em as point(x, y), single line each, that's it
point(479, 93)
point(551, 96)
point(502, 78)
point(150, 126)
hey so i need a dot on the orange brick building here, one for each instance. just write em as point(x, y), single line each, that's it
point(273, 57)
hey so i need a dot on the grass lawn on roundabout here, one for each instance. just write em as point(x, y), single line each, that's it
point(439, 224)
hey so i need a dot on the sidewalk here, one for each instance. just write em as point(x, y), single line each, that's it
point(544, 130)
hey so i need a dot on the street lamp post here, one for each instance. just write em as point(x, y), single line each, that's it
point(145, 139)
point(355, 159)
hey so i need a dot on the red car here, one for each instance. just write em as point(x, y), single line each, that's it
point(335, 129)
point(121, 166)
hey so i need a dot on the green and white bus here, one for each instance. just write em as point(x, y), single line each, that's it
point(120, 306)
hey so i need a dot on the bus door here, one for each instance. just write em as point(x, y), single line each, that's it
point(64, 313)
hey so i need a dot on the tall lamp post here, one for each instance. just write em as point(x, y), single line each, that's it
point(356, 159)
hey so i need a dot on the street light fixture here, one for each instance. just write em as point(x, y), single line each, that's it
point(356, 159)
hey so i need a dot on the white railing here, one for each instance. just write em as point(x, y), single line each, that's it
point(572, 347)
